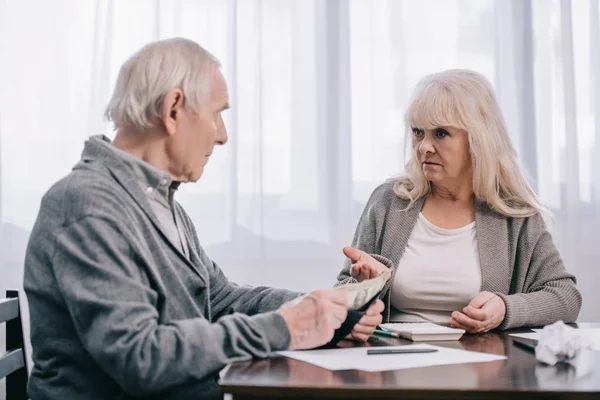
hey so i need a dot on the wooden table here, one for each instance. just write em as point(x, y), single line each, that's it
point(518, 376)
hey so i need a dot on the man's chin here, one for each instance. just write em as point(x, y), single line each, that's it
point(196, 176)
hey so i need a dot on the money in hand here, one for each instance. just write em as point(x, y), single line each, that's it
point(361, 293)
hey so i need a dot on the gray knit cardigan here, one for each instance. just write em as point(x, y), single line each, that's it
point(518, 258)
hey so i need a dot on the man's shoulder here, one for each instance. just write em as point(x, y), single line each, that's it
point(87, 190)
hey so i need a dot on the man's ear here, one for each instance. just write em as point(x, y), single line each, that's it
point(170, 110)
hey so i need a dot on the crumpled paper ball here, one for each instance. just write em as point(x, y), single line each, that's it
point(561, 343)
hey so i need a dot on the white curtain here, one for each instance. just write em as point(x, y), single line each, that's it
point(318, 90)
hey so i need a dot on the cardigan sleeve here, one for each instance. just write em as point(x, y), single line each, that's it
point(365, 237)
point(549, 292)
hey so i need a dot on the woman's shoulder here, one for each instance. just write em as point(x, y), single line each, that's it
point(385, 195)
point(527, 226)
point(532, 227)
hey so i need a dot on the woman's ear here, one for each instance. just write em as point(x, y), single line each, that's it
point(171, 108)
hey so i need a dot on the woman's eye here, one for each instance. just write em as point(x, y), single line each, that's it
point(417, 132)
point(439, 132)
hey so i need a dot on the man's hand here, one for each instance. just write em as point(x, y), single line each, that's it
point(312, 319)
point(486, 311)
point(367, 324)
point(363, 265)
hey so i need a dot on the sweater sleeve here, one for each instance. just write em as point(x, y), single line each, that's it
point(549, 292)
point(365, 238)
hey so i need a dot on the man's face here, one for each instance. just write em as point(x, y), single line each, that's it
point(198, 133)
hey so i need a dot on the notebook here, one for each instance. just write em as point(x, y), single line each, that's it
point(423, 331)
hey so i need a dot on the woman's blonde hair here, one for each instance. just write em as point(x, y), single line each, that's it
point(465, 100)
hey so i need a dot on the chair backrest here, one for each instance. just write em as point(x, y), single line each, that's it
point(13, 363)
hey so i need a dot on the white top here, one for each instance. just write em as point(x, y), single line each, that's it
point(438, 273)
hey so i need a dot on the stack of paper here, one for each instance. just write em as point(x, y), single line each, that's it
point(357, 358)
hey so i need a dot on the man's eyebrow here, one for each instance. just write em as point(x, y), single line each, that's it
point(225, 107)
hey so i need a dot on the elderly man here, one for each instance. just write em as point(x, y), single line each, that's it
point(124, 301)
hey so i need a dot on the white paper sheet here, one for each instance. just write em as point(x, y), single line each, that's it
point(593, 334)
point(357, 358)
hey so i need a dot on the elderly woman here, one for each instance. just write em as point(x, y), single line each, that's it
point(463, 231)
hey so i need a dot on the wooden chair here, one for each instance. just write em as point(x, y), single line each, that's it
point(13, 363)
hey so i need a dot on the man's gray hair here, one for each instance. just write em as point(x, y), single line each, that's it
point(148, 75)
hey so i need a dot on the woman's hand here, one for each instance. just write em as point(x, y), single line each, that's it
point(485, 312)
point(363, 265)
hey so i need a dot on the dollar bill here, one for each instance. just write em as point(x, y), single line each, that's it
point(361, 293)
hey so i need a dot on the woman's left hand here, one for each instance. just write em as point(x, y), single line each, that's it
point(485, 312)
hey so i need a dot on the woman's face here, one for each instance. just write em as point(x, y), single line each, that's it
point(443, 154)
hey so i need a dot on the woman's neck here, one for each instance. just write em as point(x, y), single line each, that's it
point(462, 196)
point(453, 199)
point(449, 209)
